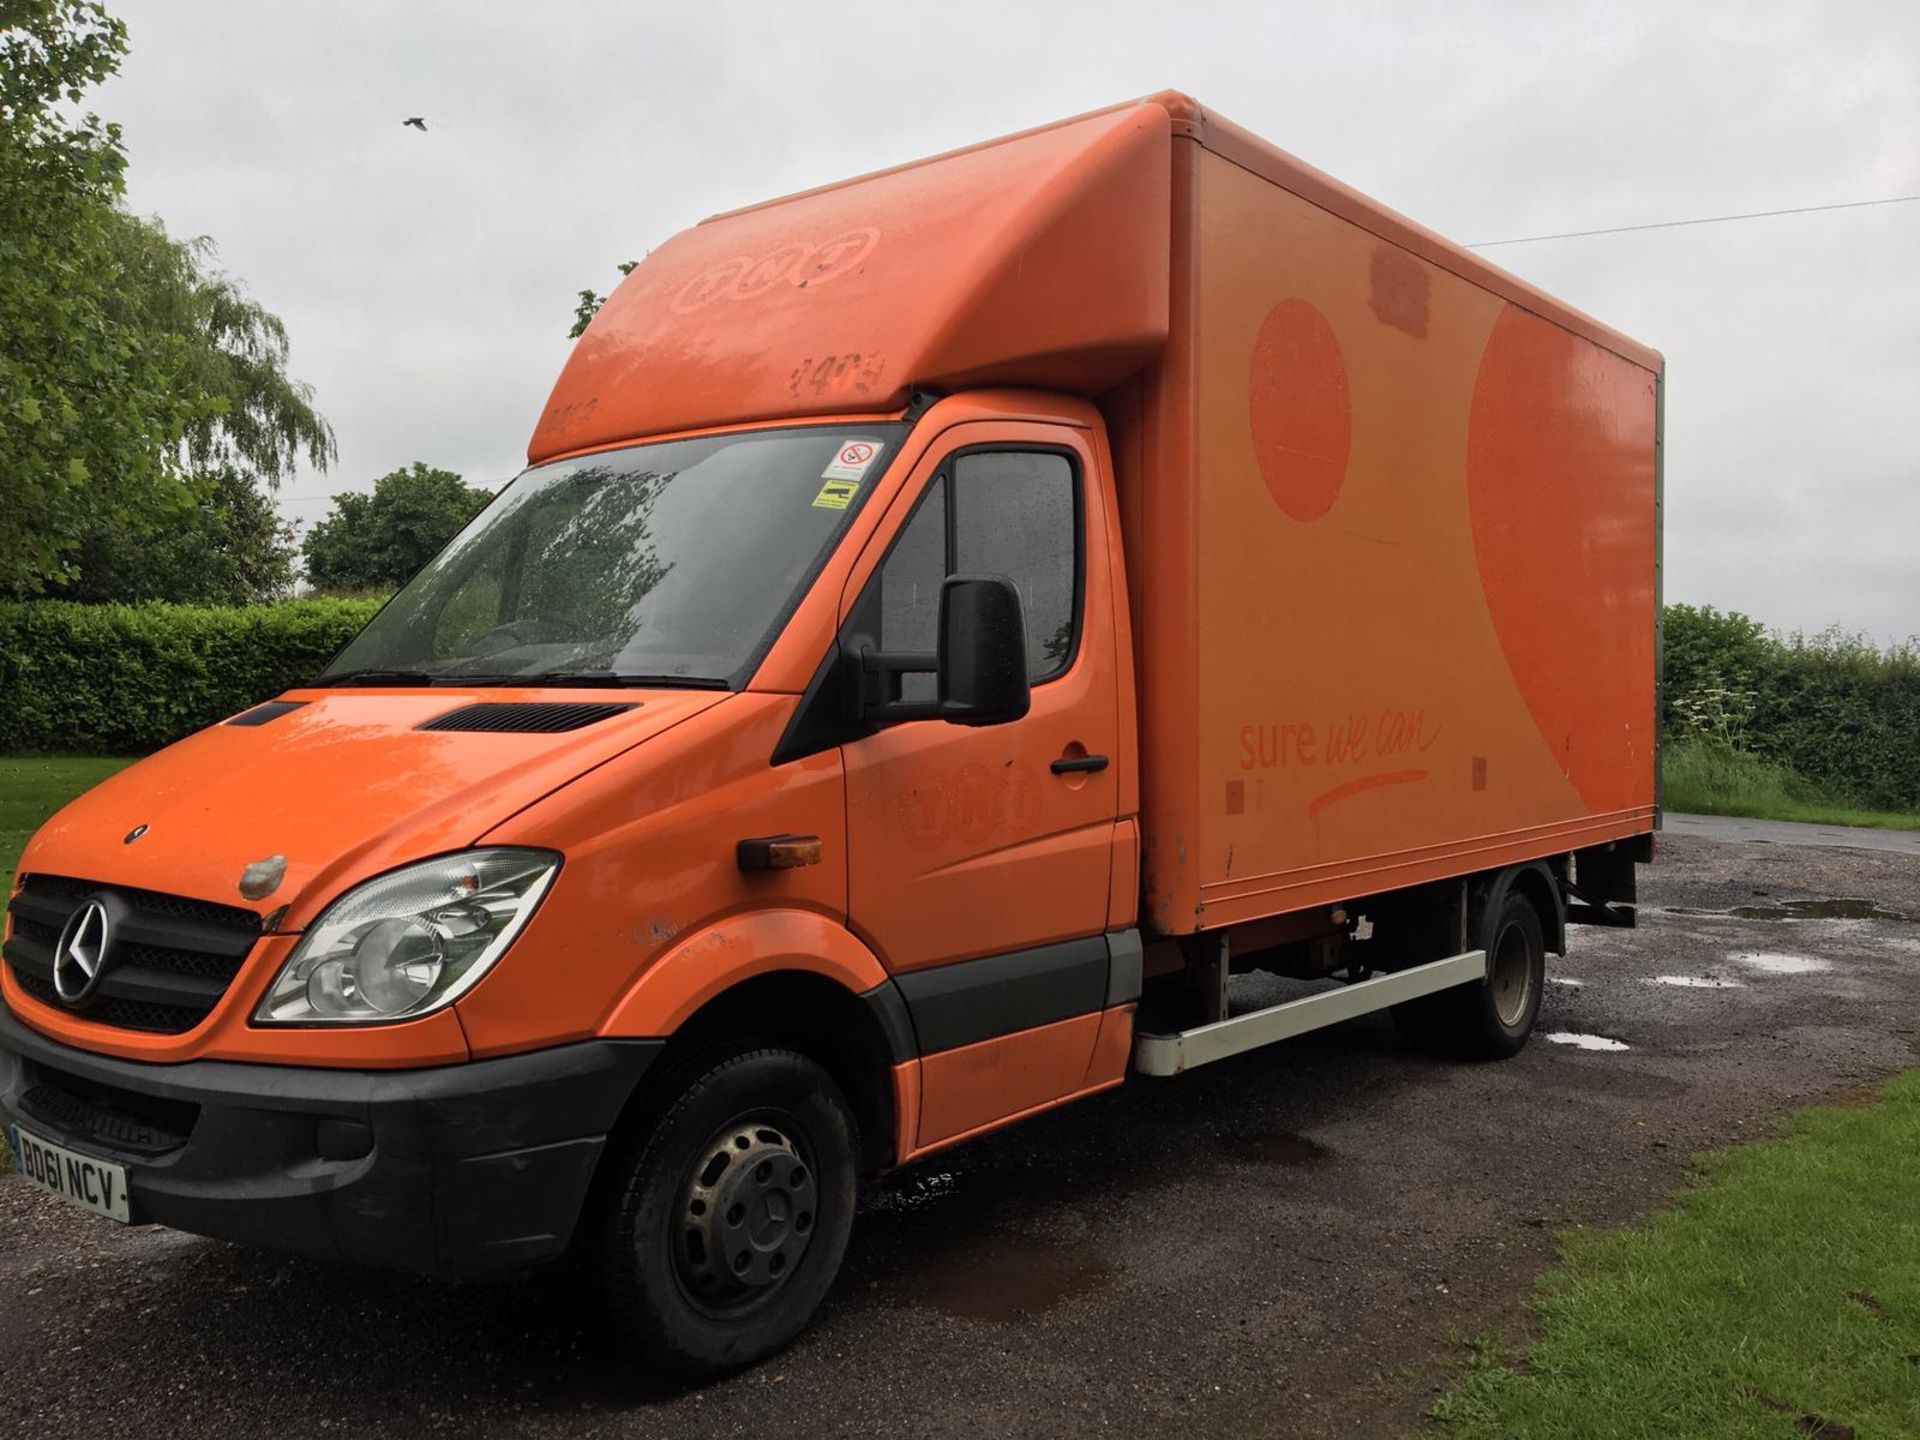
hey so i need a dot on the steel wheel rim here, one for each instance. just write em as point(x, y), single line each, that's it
point(1510, 975)
point(745, 1216)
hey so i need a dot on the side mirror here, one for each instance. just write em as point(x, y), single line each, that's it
point(983, 651)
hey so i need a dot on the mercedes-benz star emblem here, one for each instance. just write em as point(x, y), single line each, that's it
point(81, 953)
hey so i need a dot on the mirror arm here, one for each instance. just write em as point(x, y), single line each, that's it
point(877, 669)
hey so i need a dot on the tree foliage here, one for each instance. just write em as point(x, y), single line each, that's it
point(252, 418)
point(228, 546)
point(379, 541)
point(231, 548)
point(589, 303)
point(140, 389)
point(1832, 707)
point(90, 418)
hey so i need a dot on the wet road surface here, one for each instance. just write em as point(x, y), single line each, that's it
point(1294, 1242)
point(1791, 832)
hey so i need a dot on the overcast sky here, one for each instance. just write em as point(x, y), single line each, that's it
point(428, 281)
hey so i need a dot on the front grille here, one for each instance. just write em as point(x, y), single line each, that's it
point(170, 960)
point(178, 907)
point(110, 1010)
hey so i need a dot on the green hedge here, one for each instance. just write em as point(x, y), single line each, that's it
point(126, 679)
point(1833, 708)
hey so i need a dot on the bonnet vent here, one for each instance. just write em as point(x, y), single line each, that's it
point(261, 714)
point(504, 717)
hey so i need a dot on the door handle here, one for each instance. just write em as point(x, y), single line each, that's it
point(1080, 765)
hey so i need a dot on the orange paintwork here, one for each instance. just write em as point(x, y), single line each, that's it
point(1008, 1074)
point(975, 1087)
point(961, 841)
point(697, 968)
point(345, 788)
point(1369, 600)
point(1038, 261)
point(906, 1110)
point(1393, 539)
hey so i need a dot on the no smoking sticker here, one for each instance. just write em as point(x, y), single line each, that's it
point(853, 460)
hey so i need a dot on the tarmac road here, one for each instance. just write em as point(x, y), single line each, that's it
point(1296, 1242)
point(1792, 832)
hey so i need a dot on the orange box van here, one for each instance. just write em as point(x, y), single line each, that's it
point(951, 623)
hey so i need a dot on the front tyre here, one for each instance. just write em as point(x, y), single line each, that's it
point(731, 1213)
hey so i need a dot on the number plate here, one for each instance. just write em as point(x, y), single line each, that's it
point(96, 1185)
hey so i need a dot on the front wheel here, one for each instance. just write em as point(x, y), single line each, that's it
point(731, 1213)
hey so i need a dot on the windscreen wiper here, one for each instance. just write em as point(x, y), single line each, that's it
point(607, 678)
point(375, 677)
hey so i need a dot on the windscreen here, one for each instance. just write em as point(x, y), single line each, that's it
point(671, 563)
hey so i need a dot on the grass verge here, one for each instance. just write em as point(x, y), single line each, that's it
point(1709, 779)
point(32, 788)
point(1779, 1297)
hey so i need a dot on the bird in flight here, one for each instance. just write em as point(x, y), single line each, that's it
point(418, 122)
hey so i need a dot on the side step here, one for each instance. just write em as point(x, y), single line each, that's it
point(1184, 1049)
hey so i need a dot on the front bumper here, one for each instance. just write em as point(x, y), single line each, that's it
point(480, 1168)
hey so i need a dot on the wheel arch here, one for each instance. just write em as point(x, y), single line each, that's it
point(789, 978)
point(1542, 890)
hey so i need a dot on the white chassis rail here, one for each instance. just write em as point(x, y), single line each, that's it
point(1184, 1049)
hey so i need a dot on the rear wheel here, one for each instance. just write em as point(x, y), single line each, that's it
point(731, 1213)
point(1492, 1018)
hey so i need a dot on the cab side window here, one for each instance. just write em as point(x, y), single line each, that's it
point(910, 588)
point(1013, 513)
point(910, 580)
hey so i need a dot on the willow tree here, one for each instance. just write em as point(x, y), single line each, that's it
point(249, 428)
point(137, 382)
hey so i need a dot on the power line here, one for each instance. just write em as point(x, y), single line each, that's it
point(1703, 220)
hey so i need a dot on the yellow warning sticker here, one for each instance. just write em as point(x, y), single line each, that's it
point(836, 494)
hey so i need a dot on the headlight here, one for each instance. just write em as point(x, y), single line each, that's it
point(409, 942)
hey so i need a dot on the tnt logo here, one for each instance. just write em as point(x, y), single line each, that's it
point(796, 264)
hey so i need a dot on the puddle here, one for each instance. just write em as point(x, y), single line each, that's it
point(910, 1195)
point(1771, 964)
point(1798, 910)
point(1282, 1148)
point(1585, 1042)
point(1816, 910)
point(976, 1241)
point(1697, 982)
point(1566, 980)
point(1008, 1281)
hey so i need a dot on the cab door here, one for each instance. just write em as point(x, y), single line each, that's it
point(980, 857)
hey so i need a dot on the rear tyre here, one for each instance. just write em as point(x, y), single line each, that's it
point(1492, 1018)
point(731, 1213)
point(1497, 1015)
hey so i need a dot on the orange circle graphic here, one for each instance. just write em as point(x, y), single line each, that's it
point(1299, 409)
